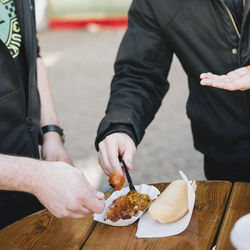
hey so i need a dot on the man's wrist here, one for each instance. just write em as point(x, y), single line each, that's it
point(114, 128)
point(51, 131)
point(38, 176)
point(51, 136)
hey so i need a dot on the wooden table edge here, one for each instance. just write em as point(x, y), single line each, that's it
point(219, 240)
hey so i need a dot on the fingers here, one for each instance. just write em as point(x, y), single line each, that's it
point(128, 156)
point(89, 205)
point(104, 157)
point(238, 79)
point(113, 158)
point(85, 205)
point(218, 81)
point(227, 82)
point(91, 199)
point(205, 75)
point(76, 216)
point(77, 212)
point(213, 77)
point(92, 203)
point(111, 147)
point(73, 212)
point(108, 155)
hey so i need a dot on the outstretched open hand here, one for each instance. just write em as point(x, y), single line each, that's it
point(238, 79)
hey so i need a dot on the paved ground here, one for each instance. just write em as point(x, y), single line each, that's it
point(80, 65)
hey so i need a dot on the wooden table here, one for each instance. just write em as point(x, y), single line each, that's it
point(238, 205)
point(44, 231)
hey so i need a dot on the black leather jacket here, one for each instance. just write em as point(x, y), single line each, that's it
point(205, 38)
point(20, 121)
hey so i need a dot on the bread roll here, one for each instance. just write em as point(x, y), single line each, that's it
point(172, 204)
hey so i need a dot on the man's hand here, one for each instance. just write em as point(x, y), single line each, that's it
point(53, 149)
point(238, 79)
point(65, 192)
point(111, 147)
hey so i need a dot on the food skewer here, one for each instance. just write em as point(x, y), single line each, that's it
point(131, 186)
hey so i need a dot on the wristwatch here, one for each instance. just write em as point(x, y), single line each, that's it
point(50, 128)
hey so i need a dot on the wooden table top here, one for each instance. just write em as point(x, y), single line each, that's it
point(44, 231)
point(238, 205)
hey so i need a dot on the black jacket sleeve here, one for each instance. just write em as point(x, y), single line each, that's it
point(118, 127)
point(141, 69)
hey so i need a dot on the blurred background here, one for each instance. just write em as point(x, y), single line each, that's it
point(79, 40)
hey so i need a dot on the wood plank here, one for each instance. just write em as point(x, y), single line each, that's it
point(238, 205)
point(211, 200)
point(44, 231)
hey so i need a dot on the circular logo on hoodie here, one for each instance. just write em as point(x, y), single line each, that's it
point(10, 33)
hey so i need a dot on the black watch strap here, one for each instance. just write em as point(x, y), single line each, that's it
point(50, 128)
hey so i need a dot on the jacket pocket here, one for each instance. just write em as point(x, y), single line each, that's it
point(192, 110)
point(6, 96)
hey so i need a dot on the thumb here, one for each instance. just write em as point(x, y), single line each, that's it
point(96, 202)
point(91, 189)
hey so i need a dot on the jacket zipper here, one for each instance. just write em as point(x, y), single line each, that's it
point(232, 19)
point(29, 122)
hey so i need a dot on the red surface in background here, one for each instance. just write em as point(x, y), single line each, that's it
point(62, 23)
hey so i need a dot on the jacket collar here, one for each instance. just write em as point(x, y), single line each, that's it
point(246, 4)
point(246, 13)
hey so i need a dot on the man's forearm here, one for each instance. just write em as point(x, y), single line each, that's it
point(18, 173)
point(48, 111)
point(62, 189)
point(52, 144)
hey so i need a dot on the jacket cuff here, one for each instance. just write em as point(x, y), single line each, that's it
point(120, 121)
point(115, 128)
